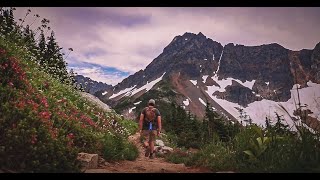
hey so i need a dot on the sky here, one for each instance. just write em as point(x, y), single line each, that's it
point(111, 43)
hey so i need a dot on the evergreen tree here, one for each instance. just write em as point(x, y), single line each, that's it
point(56, 64)
point(42, 50)
point(72, 78)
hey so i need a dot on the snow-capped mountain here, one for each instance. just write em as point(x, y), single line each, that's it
point(196, 69)
point(90, 85)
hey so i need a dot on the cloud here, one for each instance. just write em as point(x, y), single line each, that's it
point(110, 76)
point(129, 38)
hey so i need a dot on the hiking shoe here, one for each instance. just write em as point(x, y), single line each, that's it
point(151, 156)
point(147, 152)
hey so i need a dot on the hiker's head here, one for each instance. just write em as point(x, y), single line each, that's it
point(151, 102)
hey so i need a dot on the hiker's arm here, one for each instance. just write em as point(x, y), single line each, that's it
point(141, 122)
point(159, 124)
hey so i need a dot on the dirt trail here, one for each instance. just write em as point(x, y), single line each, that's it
point(145, 165)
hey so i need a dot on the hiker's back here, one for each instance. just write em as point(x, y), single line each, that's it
point(150, 117)
point(150, 114)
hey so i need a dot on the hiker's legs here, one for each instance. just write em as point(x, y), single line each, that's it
point(146, 144)
point(152, 138)
point(145, 138)
point(151, 146)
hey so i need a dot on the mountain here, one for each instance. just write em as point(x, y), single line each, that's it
point(194, 69)
point(90, 85)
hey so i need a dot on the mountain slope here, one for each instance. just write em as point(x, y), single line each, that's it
point(90, 85)
point(45, 123)
point(229, 77)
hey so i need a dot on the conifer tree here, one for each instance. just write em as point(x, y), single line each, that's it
point(42, 49)
point(57, 65)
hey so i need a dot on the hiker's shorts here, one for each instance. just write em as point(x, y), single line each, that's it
point(149, 135)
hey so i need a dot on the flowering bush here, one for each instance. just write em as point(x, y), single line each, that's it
point(44, 124)
point(44, 121)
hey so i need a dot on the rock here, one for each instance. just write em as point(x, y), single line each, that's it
point(269, 67)
point(101, 160)
point(162, 150)
point(90, 85)
point(89, 161)
point(157, 148)
point(159, 143)
point(106, 163)
point(167, 149)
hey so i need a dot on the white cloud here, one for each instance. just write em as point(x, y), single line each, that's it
point(97, 74)
point(129, 44)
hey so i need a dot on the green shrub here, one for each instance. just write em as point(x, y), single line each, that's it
point(177, 157)
point(130, 125)
point(117, 148)
point(270, 152)
point(218, 156)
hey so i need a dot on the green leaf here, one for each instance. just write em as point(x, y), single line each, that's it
point(248, 152)
point(259, 140)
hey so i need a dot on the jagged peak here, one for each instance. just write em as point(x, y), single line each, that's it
point(193, 35)
point(317, 46)
point(188, 34)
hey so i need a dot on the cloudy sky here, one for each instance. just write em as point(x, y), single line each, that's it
point(112, 43)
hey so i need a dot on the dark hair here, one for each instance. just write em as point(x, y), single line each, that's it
point(150, 104)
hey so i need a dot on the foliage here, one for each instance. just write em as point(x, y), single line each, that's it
point(44, 121)
point(130, 125)
point(216, 125)
point(117, 148)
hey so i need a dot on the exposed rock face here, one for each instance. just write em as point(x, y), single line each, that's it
point(190, 61)
point(315, 64)
point(188, 54)
point(266, 63)
point(90, 85)
point(88, 161)
point(238, 94)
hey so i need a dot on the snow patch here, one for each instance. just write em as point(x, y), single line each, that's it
point(205, 59)
point(259, 110)
point(186, 102)
point(213, 57)
point(223, 83)
point(204, 78)
point(228, 106)
point(104, 93)
point(136, 103)
point(267, 83)
point(202, 101)
point(147, 86)
point(186, 39)
point(194, 82)
point(219, 62)
point(258, 95)
point(130, 110)
point(122, 92)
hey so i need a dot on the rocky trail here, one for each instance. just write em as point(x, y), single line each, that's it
point(145, 165)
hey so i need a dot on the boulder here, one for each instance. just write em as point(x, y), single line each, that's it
point(167, 149)
point(88, 161)
point(159, 143)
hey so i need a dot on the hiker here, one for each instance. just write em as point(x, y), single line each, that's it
point(150, 126)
